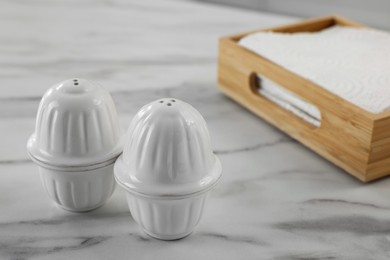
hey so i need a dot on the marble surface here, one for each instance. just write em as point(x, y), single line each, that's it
point(277, 199)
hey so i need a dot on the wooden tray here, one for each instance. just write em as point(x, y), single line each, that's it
point(350, 137)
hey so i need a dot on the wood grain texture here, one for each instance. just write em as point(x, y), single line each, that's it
point(350, 137)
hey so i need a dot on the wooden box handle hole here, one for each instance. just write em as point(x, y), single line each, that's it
point(285, 99)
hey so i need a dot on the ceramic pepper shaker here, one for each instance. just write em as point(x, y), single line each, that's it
point(167, 168)
point(76, 141)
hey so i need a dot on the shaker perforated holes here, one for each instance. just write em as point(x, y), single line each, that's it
point(168, 104)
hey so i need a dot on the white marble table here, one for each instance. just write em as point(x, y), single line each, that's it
point(277, 199)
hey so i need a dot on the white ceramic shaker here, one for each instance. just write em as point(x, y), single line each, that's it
point(76, 141)
point(167, 168)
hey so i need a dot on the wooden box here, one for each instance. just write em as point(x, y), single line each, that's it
point(350, 137)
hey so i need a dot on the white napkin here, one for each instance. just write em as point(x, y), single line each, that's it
point(289, 101)
point(353, 63)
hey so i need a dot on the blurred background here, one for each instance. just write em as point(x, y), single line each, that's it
point(375, 13)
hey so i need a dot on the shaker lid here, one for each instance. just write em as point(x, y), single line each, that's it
point(76, 125)
point(167, 151)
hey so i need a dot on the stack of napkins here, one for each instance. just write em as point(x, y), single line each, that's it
point(353, 63)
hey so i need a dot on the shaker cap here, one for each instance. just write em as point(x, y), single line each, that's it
point(76, 125)
point(167, 151)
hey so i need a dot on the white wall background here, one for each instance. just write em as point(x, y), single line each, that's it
point(375, 13)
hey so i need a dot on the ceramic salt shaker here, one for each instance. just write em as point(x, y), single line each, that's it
point(167, 168)
point(76, 141)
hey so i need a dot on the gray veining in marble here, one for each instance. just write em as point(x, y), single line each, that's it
point(277, 199)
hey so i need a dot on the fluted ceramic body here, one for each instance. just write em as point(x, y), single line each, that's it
point(81, 190)
point(167, 219)
point(167, 167)
point(76, 141)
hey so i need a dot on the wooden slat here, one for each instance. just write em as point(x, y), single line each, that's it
point(308, 25)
